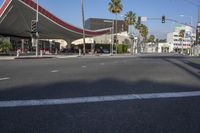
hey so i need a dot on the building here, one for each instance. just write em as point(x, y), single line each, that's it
point(165, 48)
point(25, 45)
point(196, 50)
point(123, 38)
point(151, 48)
point(100, 23)
point(16, 17)
point(176, 43)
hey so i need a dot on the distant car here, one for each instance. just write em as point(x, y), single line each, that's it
point(114, 51)
point(105, 51)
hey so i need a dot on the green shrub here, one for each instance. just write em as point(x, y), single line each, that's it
point(5, 46)
point(122, 48)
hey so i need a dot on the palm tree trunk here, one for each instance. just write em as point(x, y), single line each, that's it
point(182, 45)
point(116, 31)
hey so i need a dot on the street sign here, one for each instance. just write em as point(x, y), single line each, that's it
point(130, 29)
point(143, 19)
point(33, 41)
point(188, 34)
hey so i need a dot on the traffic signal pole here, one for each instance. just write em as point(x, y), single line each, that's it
point(198, 28)
point(83, 22)
point(198, 13)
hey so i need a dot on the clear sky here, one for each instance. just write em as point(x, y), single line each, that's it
point(70, 11)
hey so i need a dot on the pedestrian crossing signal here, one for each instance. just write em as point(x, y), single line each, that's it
point(139, 20)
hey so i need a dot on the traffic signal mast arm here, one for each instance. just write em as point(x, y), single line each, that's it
point(171, 20)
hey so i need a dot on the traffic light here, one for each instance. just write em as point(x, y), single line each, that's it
point(33, 26)
point(139, 20)
point(116, 39)
point(198, 34)
point(163, 19)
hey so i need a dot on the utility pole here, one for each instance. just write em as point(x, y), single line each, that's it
point(111, 33)
point(198, 28)
point(198, 14)
point(83, 22)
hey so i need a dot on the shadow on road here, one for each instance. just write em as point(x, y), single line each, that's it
point(192, 64)
point(180, 62)
point(86, 88)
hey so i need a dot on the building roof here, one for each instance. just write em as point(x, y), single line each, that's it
point(16, 17)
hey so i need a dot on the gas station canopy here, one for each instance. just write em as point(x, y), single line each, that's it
point(16, 17)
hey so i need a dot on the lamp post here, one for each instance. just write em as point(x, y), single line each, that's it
point(83, 22)
point(37, 35)
point(112, 33)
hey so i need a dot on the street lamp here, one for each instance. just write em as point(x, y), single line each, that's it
point(37, 35)
point(83, 22)
point(112, 33)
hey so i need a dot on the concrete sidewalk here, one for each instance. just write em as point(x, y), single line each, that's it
point(65, 56)
point(7, 57)
point(39, 57)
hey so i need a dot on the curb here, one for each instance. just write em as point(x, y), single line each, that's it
point(17, 58)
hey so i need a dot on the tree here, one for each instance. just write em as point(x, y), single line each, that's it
point(182, 35)
point(151, 39)
point(115, 7)
point(143, 30)
point(5, 46)
point(130, 18)
point(162, 40)
point(157, 40)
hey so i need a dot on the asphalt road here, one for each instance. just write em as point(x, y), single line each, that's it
point(101, 76)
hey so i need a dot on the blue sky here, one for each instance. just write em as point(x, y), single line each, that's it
point(69, 10)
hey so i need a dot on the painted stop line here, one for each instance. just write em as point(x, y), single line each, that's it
point(93, 99)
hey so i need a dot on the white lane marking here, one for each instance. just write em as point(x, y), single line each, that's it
point(84, 66)
point(78, 100)
point(102, 64)
point(6, 78)
point(54, 71)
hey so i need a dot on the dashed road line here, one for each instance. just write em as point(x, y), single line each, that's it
point(83, 66)
point(6, 78)
point(54, 71)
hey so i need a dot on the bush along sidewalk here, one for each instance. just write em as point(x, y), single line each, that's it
point(5, 47)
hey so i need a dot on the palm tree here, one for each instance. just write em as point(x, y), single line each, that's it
point(143, 30)
point(115, 7)
point(181, 35)
point(130, 19)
